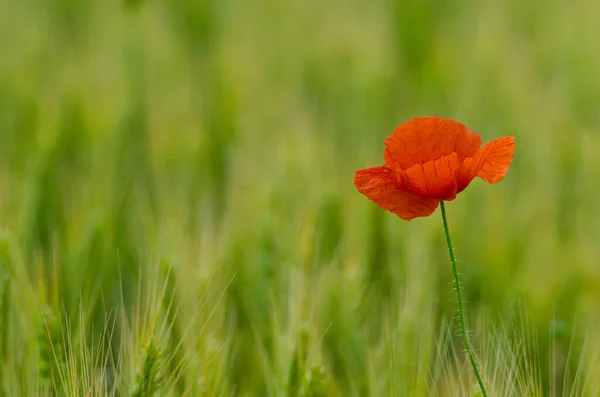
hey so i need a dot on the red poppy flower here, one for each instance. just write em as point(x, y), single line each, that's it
point(431, 159)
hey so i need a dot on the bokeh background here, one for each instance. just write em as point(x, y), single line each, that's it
point(176, 183)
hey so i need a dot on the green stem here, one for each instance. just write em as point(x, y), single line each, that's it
point(461, 316)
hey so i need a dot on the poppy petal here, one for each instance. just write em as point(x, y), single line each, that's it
point(426, 139)
point(379, 185)
point(490, 163)
point(434, 178)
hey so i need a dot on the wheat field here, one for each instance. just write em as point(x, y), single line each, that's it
point(178, 218)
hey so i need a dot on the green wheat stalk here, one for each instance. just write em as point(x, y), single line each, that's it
point(297, 365)
point(314, 383)
point(149, 378)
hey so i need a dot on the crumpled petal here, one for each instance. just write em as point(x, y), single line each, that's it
point(425, 139)
point(490, 163)
point(434, 178)
point(379, 185)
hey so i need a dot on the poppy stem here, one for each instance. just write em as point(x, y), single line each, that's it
point(461, 316)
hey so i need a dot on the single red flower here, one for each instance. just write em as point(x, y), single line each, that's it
point(431, 159)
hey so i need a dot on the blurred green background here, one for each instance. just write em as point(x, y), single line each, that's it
point(179, 174)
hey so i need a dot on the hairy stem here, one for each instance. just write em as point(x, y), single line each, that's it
point(461, 316)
